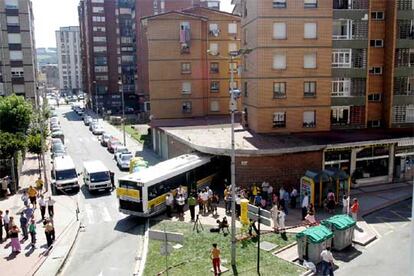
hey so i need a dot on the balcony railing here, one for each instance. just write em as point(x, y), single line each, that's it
point(405, 29)
point(350, 4)
point(405, 5)
point(404, 86)
point(404, 58)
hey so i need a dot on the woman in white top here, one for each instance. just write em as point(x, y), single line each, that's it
point(275, 216)
point(281, 217)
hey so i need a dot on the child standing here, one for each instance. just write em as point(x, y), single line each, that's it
point(32, 232)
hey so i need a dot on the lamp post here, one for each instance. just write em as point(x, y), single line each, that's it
point(123, 110)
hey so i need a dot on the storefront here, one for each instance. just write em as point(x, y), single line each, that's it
point(404, 161)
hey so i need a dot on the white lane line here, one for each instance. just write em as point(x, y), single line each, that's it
point(105, 214)
point(89, 213)
point(398, 215)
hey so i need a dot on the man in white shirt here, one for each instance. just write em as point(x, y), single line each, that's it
point(305, 204)
point(327, 262)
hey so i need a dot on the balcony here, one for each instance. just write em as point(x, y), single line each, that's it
point(349, 63)
point(350, 4)
point(404, 5)
point(404, 62)
point(2, 92)
point(346, 92)
point(405, 36)
point(347, 117)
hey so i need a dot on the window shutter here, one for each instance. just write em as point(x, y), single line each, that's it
point(279, 30)
point(309, 117)
point(309, 60)
point(232, 28)
point(279, 61)
point(310, 30)
point(186, 87)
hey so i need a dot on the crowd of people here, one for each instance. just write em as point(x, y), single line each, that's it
point(33, 199)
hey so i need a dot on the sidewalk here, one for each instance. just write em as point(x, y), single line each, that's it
point(30, 260)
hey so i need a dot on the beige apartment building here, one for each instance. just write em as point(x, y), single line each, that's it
point(189, 64)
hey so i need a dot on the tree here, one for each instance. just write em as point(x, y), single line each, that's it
point(10, 143)
point(15, 114)
point(35, 144)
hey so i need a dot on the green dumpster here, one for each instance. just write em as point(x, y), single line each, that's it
point(343, 228)
point(312, 241)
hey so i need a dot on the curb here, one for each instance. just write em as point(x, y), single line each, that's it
point(141, 255)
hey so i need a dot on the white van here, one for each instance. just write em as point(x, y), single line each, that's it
point(64, 174)
point(96, 176)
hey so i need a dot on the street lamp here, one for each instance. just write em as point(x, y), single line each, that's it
point(123, 109)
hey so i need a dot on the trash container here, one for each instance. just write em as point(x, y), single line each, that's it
point(343, 228)
point(312, 241)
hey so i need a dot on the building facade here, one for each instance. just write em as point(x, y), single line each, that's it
point(17, 49)
point(189, 62)
point(51, 75)
point(324, 65)
point(69, 60)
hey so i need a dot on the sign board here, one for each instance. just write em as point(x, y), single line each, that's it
point(160, 236)
point(263, 220)
point(263, 213)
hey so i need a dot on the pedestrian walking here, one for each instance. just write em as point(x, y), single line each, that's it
point(226, 198)
point(265, 188)
point(6, 223)
point(204, 198)
point(1, 226)
point(49, 233)
point(14, 236)
point(310, 217)
point(180, 205)
point(25, 199)
point(4, 185)
point(39, 185)
point(286, 200)
point(331, 202)
point(293, 196)
point(29, 212)
point(23, 226)
point(215, 257)
point(355, 209)
point(32, 196)
point(32, 232)
point(42, 206)
point(112, 177)
point(214, 203)
point(345, 204)
point(281, 192)
point(282, 217)
point(275, 216)
point(327, 262)
point(305, 205)
point(192, 202)
point(270, 195)
point(50, 206)
point(169, 200)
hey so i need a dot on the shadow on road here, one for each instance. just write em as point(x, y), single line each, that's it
point(130, 225)
point(347, 254)
point(95, 194)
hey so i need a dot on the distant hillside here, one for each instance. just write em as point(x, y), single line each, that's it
point(46, 56)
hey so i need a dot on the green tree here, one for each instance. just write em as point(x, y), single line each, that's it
point(35, 144)
point(15, 114)
point(10, 143)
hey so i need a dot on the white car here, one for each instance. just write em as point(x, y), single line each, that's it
point(123, 161)
point(98, 130)
point(121, 149)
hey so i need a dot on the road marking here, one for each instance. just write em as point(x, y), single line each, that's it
point(89, 213)
point(382, 219)
point(397, 214)
point(105, 215)
point(375, 230)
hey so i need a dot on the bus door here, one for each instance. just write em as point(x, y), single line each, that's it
point(190, 181)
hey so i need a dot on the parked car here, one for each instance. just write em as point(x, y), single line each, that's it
point(98, 130)
point(54, 128)
point(58, 150)
point(87, 120)
point(58, 134)
point(54, 120)
point(92, 125)
point(112, 144)
point(120, 149)
point(123, 160)
point(105, 137)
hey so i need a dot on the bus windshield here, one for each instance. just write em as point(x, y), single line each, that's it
point(128, 184)
point(99, 176)
point(66, 174)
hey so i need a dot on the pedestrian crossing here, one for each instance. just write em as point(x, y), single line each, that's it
point(96, 213)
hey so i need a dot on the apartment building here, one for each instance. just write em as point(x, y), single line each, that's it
point(189, 63)
point(325, 65)
point(17, 49)
point(69, 59)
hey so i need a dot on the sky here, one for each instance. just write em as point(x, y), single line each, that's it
point(51, 14)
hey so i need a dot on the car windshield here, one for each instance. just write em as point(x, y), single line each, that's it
point(126, 157)
point(58, 148)
point(66, 174)
point(99, 176)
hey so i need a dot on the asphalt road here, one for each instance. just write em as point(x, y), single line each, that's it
point(390, 253)
point(108, 242)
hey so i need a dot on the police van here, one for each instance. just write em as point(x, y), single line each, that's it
point(96, 176)
point(64, 174)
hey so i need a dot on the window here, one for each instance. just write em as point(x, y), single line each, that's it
point(340, 115)
point(279, 4)
point(374, 123)
point(101, 77)
point(16, 55)
point(17, 72)
point(232, 47)
point(214, 29)
point(186, 107)
point(233, 85)
point(377, 43)
point(279, 119)
point(309, 119)
point(309, 61)
point(126, 58)
point(245, 89)
point(233, 67)
point(214, 67)
point(279, 90)
point(214, 106)
point(279, 30)
point(214, 86)
point(375, 70)
point(374, 97)
point(18, 88)
point(310, 31)
point(99, 29)
point(309, 88)
point(342, 29)
point(310, 3)
point(403, 113)
point(279, 61)
point(377, 15)
point(14, 38)
point(341, 87)
point(99, 69)
point(186, 88)
point(99, 39)
point(232, 28)
point(100, 61)
point(12, 4)
point(341, 58)
point(185, 68)
point(99, 49)
point(98, 9)
point(98, 18)
point(12, 20)
point(214, 49)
